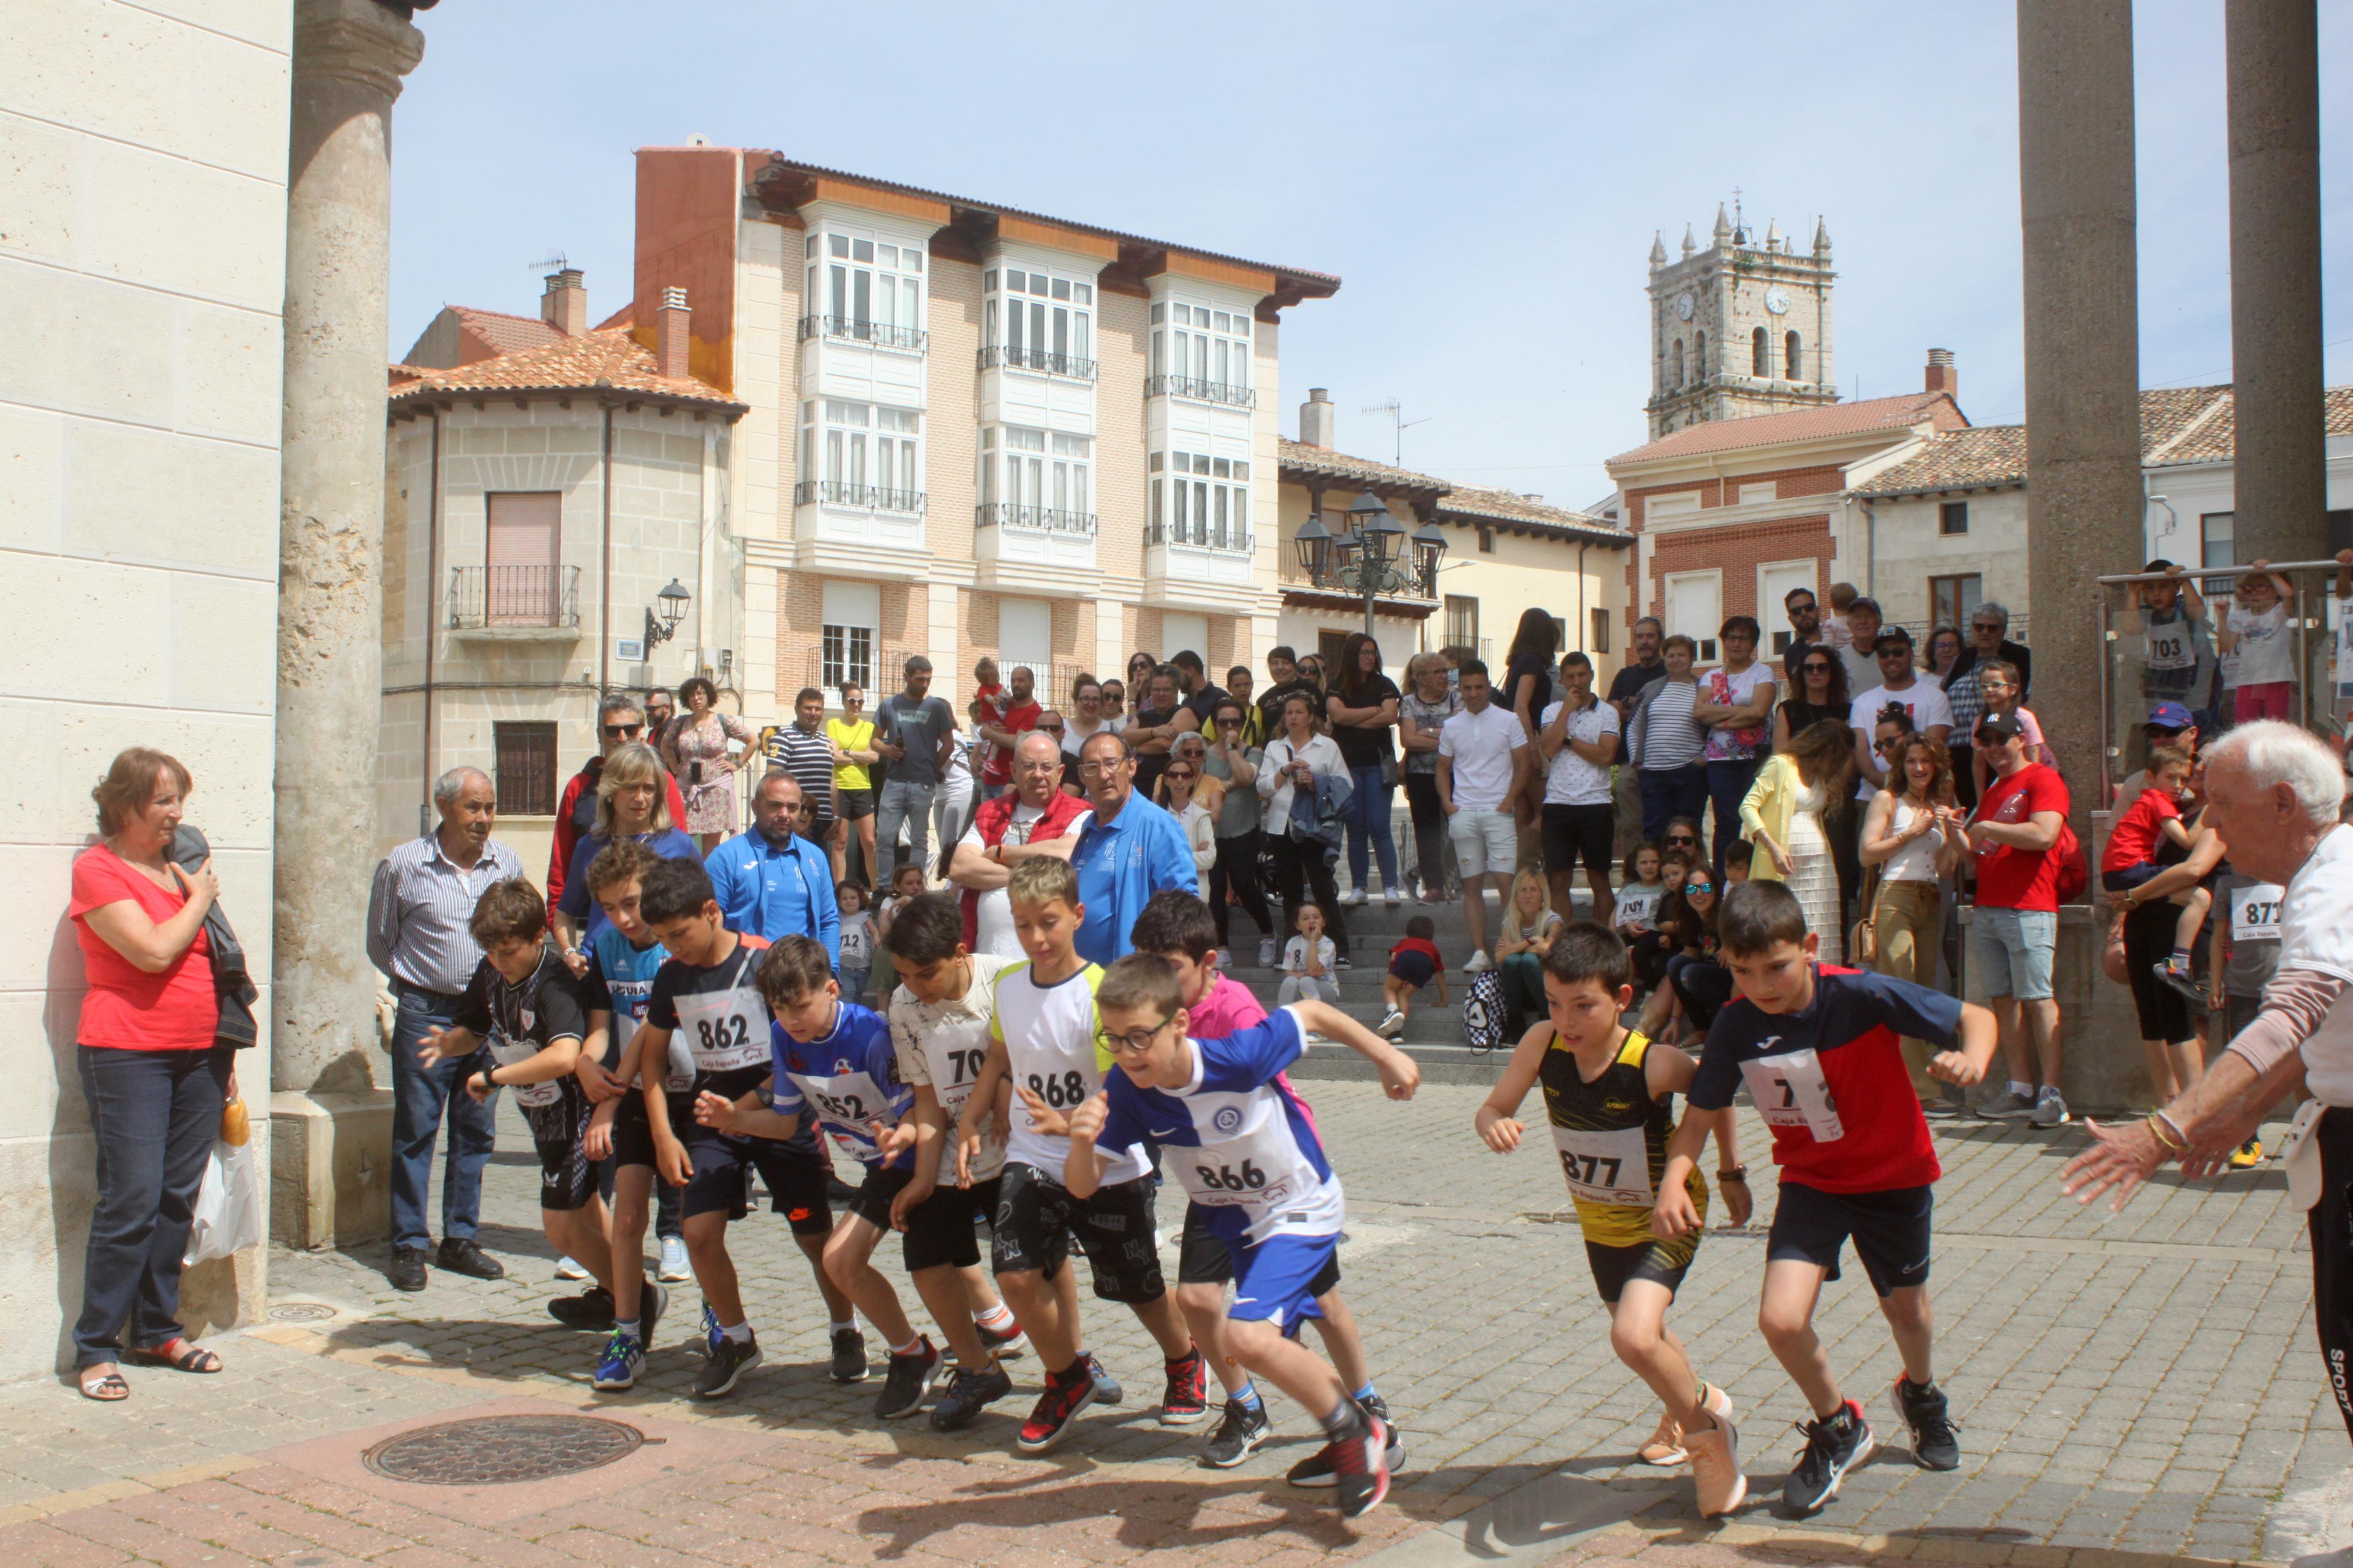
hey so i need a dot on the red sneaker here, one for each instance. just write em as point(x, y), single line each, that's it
point(1187, 1399)
point(1067, 1393)
point(1362, 1464)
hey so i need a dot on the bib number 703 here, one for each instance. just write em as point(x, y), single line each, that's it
point(1789, 1097)
point(1590, 1169)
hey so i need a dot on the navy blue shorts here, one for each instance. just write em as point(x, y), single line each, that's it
point(2127, 878)
point(1414, 968)
point(1890, 1230)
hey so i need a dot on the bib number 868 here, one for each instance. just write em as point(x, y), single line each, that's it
point(1250, 1178)
point(1060, 1090)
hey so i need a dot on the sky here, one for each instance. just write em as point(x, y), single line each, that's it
point(1486, 178)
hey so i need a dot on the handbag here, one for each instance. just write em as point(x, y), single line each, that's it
point(1863, 943)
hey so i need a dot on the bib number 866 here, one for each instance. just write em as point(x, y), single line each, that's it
point(1250, 1178)
point(1060, 1090)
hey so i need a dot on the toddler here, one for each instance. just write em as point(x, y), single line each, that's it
point(1413, 963)
point(2131, 857)
point(1307, 960)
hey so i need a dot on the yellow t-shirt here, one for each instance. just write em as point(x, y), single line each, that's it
point(858, 737)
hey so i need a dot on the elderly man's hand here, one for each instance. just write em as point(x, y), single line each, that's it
point(2120, 1157)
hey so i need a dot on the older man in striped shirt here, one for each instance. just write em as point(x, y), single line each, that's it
point(424, 893)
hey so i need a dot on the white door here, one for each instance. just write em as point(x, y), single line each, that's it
point(1025, 634)
point(1178, 633)
point(1774, 581)
point(1695, 609)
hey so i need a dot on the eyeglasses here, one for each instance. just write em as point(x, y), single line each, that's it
point(623, 731)
point(1098, 769)
point(1135, 1040)
point(1179, 776)
point(1889, 744)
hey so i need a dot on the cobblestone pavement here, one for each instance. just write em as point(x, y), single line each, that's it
point(2144, 1386)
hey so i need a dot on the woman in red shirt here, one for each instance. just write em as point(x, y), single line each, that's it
point(151, 1075)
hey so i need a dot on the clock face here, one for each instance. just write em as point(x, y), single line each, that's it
point(1686, 302)
point(1777, 301)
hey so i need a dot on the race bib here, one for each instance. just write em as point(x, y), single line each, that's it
point(507, 1053)
point(1790, 1091)
point(846, 1102)
point(2168, 647)
point(725, 1030)
point(1611, 1167)
point(1254, 1167)
point(2255, 912)
point(954, 1072)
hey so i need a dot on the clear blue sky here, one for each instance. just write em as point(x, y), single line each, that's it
point(1484, 176)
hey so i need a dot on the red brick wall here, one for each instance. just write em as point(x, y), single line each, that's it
point(1738, 552)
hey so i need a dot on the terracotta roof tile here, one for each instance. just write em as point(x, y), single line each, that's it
point(1455, 503)
point(1801, 425)
point(1518, 511)
point(1299, 457)
point(506, 333)
point(603, 360)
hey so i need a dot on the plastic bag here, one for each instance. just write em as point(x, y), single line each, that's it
point(229, 1216)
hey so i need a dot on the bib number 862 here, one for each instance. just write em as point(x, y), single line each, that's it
point(1250, 1178)
point(726, 1034)
point(1060, 1090)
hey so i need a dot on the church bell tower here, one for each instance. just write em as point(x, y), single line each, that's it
point(1740, 327)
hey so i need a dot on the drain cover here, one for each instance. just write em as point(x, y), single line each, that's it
point(301, 1312)
point(494, 1450)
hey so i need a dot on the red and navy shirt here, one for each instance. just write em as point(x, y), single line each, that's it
point(1830, 1080)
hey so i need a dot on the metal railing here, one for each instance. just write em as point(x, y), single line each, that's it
point(851, 328)
point(994, 355)
point(1236, 538)
point(1034, 519)
point(879, 669)
point(482, 596)
point(1421, 586)
point(1202, 390)
point(873, 498)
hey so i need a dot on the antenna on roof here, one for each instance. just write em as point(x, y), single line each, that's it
point(1400, 423)
point(558, 262)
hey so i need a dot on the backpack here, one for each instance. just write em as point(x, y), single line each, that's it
point(2074, 875)
point(1482, 1011)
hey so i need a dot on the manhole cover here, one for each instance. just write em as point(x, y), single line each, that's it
point(301, 1312)
point(494, 1450)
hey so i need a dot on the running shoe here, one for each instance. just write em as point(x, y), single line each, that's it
point(2184, 984)
point(849, 1356)
point(624, 1358)
point(968, 1394)
point(2247, 1155)
point(1666, 1445)
point(1715, 1469)
point(567, 1268)
point(592, 1309)
point(1003, 1343)
point(1067, 1392)
point(1391, 1026)
point(1935, 1440)
point(1344, 961)
point(1187, 1398)
point(1107, 1388)
point(1834, 1445)
point(1391, 897)
point(674, 1266)
point(1238, 1435)
point(1360, 1463)
point(1225, 961)
point(2012, 1107)
point(1266, 954)
point(729, 1359)
point(1316, 1470)
point(904, 1384)
point(2050, 1110)
point(1478, 963)
point(1354, 897)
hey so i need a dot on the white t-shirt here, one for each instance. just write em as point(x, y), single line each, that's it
point(995, 916)
point(1294, 955)
point(1570, 780)
point(1925, 701)
point(1073, 737)
point(858, 940)
point(2317, 933)
point(942, 1044)
point(1479, 746)
point(1049, 1032)
point(2265, 653)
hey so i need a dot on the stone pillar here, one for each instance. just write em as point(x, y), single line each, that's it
point(332, 1125)
point(2272, 58)
point(2082, 416)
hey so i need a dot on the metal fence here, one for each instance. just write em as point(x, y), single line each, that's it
point(481, 596)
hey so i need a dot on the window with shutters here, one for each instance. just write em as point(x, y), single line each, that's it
point(1462, 621)
point(525, 766)
point(520, 587)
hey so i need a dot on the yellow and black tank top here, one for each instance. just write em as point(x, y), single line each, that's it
point(1611, 1137)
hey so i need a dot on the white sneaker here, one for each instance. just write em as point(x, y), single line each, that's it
point(1225, 959)
point(1391, 1026)
point(566, 1269)
point(674, 1265)
point(1355, 898)
point(1479, 963)
point(1391, 897)
point(2050, 1111)
point(1266, 952)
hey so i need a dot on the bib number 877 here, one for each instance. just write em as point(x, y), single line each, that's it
point(1590, 1169)
point(1060, 1090)
point(1250, 1178)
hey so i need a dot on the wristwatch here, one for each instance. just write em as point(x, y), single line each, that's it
point(1737, 1174)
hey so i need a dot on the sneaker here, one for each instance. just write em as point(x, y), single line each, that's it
point(1317, 1469)
point(2185, 984)
point(1935, 1440)
point(1834, 1446)
point(1715, 1469)
point(849, 1356)
point(1943, 1110)
point(1187, 1400)
point(1003, 1343)
point(1478, 963)
point(1354, 897)
point(1238, 1435)
point(904, 1383)
point(1266, 953)
point(2247, 1155)
point(1391, 897)
point(1050, 1417)
point(675, 1270)
point(566, 1267)
point(2010, 1107)
point(624, 1358)
point(2050, 1111)
point(1391, 1026)
point(1225, 961)
point(729, 1359)
point(464, 1256)
point(592, 1309)
point(1107, 1388)
point(1666, 1445)
point(1361, 1465)
point(408, 1270)
point(968, 1393)
point(1344, 961)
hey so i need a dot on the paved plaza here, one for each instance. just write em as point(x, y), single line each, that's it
point(2145, 1385)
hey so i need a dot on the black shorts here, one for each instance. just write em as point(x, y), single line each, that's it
point(1664, 1261)
point(1203, 1257)
point(1036, 1217)
point(2125, 879)
point(567, 1176)
point(1570, 831)
point(795, 1180)
point(940, 1230)
point(1890, 1230)
point(1414, 968)
point(633, 1131)
point(855, 802)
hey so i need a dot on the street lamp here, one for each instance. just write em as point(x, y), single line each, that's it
point(1314, 542)
point(1369, 551)
point(1429, 549)
point(673, 610)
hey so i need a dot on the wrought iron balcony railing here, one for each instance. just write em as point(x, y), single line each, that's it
point(851, 328)
point(1201, 391)
point(873, 498)
point(520, 596)
point(1034, 519)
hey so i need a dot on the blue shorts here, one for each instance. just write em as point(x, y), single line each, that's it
point(1275, 1280)
point(1412, 967)
point(2125, 879)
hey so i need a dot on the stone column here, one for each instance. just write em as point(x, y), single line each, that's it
point(331, 1125)
point(2082, 419)
point(2272, 58)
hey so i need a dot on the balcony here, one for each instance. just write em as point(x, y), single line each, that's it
point(1033, 548)
point(999, 356)
point(850, 330)
point(1201, 391)
point(1033, 519)
point(515, 604)
point(866, 498)
point(1193, 569)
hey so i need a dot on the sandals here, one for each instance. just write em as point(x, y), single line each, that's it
point(177, 1354)
point(106, 1390)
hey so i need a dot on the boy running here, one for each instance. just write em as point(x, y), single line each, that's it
point(1818, 1050)
point(1045, 1038)
point(1609, 1095)
point(1246, 1151)
point(1177, 927)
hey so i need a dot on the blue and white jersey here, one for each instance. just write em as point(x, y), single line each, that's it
point(849, 1078)
point(1239, 1140)
point(620, 981)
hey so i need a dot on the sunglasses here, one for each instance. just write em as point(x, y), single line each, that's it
point(1051, 729)
point(622, 731)
point(1674, 840)
point(1814, 668)
point(1699, 887)
point(1181, 775)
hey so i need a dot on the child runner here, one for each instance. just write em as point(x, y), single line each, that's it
point(1307, 962)
point(939, 1028)
point(1044, 1037)
point(2245, 957)
point(1414, 962)
point(857, 940)
point(1818, 1050)
point(1246, 1151)
point(1178, 927)
point(706, 997)
point(1609, 1095)
point(2131, 857)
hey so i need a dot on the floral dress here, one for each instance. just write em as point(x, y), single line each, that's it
point(711, 803)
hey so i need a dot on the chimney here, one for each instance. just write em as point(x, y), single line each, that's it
point(1942, 376)
point(670, 335)
point(565, 306)
point(1316, 419)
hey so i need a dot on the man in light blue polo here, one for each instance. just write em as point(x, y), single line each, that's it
point(1129, 851)
point(771, 882)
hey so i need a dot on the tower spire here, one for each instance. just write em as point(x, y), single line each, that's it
point(1657, 250)
point(1722, 224)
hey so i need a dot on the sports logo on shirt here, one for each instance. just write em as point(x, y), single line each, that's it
point(1227, 1119)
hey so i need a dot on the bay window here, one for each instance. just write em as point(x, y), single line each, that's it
point(861, 454)
point(1037, 479)
point(1037, 320)
point(1200, 500)
point(865, 290)
point(1200, 353)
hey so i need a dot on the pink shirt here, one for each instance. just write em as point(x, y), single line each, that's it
point(1228, 1009)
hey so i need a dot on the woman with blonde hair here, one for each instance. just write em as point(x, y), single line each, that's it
point(1791, 813)
point(1530, 923)
point(631, 803)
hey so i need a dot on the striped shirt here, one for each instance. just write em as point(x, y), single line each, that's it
point(807, 756)
point(418, 908)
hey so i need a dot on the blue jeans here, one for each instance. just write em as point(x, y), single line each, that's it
point(420, 1095)
point(154, 1115)
point(1670, 793)
point(1369, 817)
point(1727, 787)
point(903, 800)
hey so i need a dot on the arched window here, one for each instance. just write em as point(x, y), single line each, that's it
point(1794, 357)
point(1675, 365)
point(1760, 353)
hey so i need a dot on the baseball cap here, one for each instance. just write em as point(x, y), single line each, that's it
point(2000, 727)
point(1887, 634)
point(2170, 716)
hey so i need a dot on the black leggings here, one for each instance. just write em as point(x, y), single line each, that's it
point(1300, 864)
point(1428, 830)
point(1237, 868)
point(1702, 985)
point(1650, 952)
